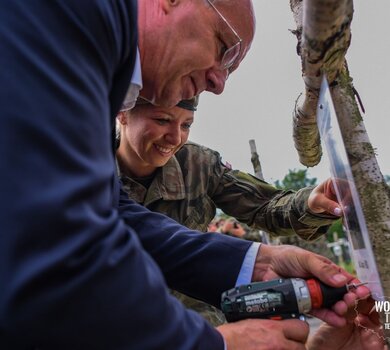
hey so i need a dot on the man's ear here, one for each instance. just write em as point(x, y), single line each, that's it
point(122, 118)
point(168, 5)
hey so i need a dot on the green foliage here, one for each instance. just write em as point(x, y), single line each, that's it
point(335, 227)
point(295, 180)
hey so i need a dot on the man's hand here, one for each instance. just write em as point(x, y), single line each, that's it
point(362, 333)
point(254, 334)
point(289, 261)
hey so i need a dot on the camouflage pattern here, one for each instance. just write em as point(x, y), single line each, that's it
point(250, 235)
point(194, 183)
point(253, 235)
point(208, 312)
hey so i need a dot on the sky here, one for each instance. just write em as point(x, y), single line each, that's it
point(259, 97)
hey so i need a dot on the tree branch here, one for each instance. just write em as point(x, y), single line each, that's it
point(323, 33)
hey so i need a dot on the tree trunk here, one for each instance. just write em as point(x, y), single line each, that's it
point(255, 160)
point(370, 184)
point(323, 38)
point(265, 237)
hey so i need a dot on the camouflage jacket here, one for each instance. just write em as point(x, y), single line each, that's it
point(194, 183)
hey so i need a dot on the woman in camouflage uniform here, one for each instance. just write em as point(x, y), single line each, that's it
point(161, 170)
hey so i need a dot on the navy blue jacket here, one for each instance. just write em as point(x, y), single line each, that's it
point(81, 268)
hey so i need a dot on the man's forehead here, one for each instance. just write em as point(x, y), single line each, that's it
point(240, 15)
point(237, 12)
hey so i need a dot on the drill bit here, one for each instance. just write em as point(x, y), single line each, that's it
point(355, 285)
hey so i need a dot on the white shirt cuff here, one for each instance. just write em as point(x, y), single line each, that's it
point(246, 271)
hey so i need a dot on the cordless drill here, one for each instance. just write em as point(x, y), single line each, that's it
point(280, 299)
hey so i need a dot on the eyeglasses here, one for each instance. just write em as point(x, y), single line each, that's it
point(230, 56)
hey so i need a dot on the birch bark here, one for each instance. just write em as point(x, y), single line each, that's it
point(322, 48)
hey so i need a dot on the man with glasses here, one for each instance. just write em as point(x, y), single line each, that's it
point(197, 57)
point(82, 267)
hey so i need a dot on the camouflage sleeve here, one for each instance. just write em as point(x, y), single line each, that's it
point(262, 206)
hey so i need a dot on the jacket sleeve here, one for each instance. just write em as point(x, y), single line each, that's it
point(185, 255)
point(262, 206)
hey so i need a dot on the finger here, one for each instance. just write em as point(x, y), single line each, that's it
point(351, 301)
point(295, 330)
point(320, 202)
point(326, 271)
point(330, 206)
point(340, 308)
point(351, 305)
point(362, 292)
point(330, 188)
point(292, 345)
point(330, 317)
point(347, 306)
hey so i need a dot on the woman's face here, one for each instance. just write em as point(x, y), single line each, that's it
point(151, 135)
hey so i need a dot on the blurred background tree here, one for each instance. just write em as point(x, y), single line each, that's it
point(295, 180)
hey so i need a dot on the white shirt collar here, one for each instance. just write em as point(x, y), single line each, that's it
point(135, 85)
point(137, 73)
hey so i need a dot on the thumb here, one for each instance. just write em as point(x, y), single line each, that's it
point(295, 330)
point(326, 271)
point(325, 204)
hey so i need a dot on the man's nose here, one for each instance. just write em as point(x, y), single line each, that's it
point(216, 79)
